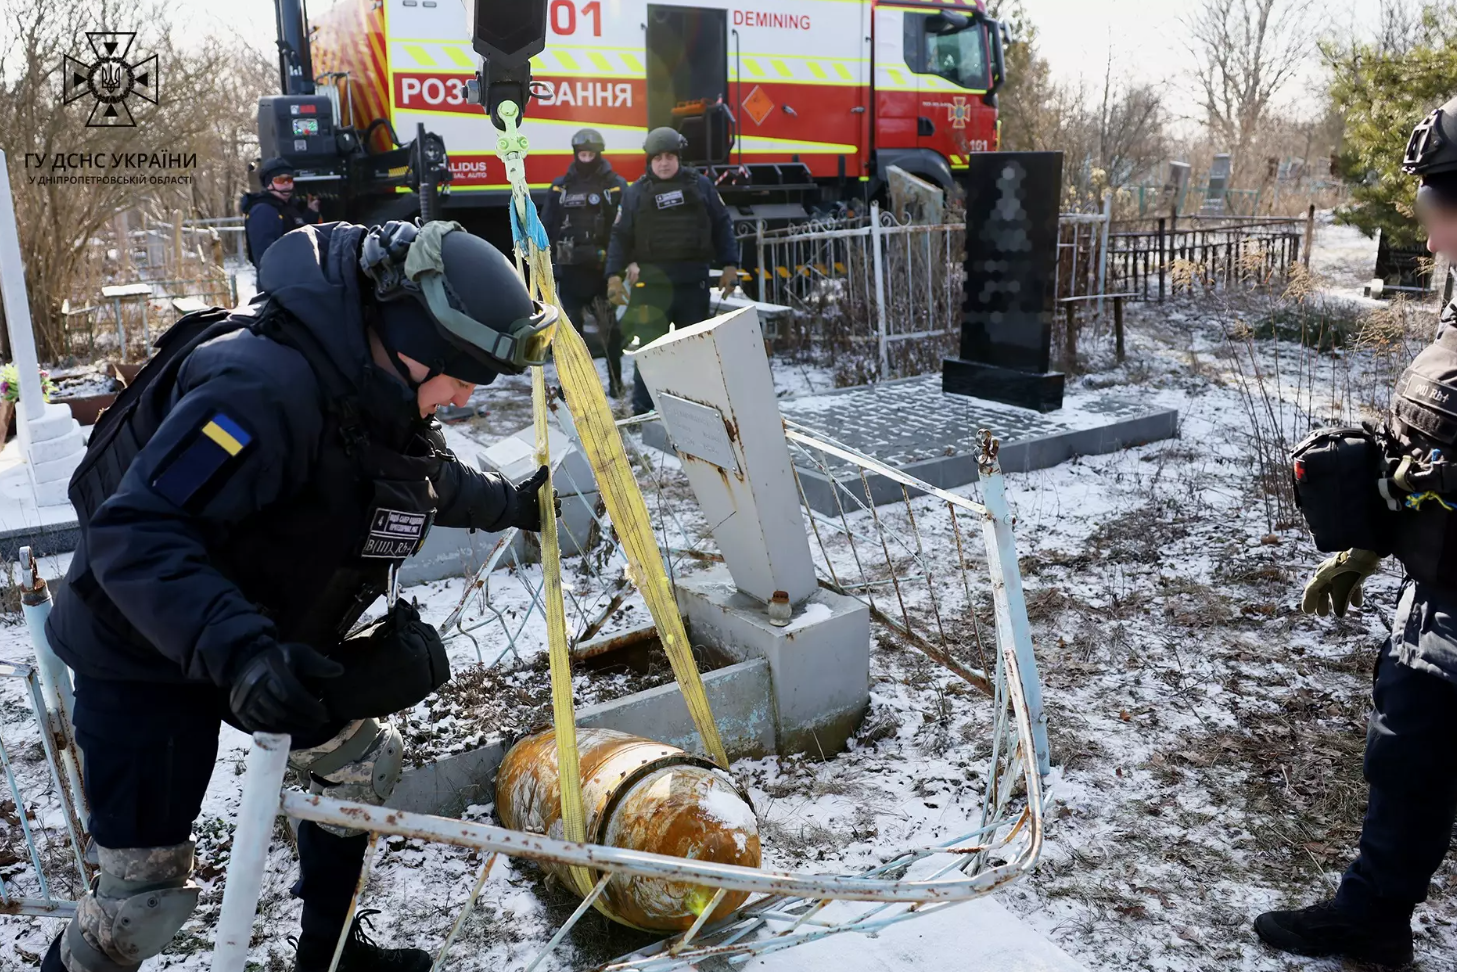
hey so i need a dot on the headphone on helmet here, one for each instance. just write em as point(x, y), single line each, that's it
point(382, 258)
point(388, 260)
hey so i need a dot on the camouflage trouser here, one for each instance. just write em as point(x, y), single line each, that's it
point(140, 899)
point(149, 751)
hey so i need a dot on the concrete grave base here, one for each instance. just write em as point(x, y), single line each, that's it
point(803, 688)
point(819, 664)
point(742, 708)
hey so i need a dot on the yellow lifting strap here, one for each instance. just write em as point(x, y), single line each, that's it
point(602, 443)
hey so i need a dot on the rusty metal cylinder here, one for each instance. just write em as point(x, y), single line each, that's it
point(638, 795)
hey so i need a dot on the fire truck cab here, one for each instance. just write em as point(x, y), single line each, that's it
point(790, 105)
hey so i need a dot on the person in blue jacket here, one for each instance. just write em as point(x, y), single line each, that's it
point(580, 209)
point(274, 211)
point(672, 225)
point(238, 522)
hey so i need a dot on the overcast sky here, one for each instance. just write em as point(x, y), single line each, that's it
point(1076, 36)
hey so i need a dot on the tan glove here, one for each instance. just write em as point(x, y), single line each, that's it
point(616, 292)
point(1337, 582)
point(729, 280)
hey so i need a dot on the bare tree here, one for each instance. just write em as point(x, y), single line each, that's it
point(1245, 52)
point(203, 105)
point(1130, 123)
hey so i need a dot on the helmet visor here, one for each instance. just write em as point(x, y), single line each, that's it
point(527, 345)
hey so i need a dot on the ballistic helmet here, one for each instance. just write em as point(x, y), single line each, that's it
point(1433, 146)
point(1432, 154)
point(588, 140)
point(273, 167)
point(453, 302)
point(662, 140)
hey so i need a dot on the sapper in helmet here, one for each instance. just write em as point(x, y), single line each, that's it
point(1412, 777)
point(580, 209)
point(671, 227)
point(453, 304)
point(246, 500)
point(1432, 155)
point(274, 210)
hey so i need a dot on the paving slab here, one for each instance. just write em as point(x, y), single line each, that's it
point(912, 425)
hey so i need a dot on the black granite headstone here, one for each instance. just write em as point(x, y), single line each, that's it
point(1011, 279)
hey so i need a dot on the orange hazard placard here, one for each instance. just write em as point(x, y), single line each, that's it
point(758, 105)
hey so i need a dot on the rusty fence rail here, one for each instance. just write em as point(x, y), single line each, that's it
point(880, 536)
point(42, 778)
point(967, 614)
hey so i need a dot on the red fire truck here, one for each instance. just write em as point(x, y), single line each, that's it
point(789, 104)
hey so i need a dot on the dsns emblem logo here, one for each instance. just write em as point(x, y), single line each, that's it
point(110, 79)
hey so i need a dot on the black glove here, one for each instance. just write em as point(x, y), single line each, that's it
point(526, 506)
point(270, 692)
point(391, 665)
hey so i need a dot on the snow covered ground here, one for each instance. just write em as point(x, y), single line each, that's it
point(1206, 736)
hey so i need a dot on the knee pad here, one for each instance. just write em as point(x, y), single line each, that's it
point(141, 899)
point(361, 764)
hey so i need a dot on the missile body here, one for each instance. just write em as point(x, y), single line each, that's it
point(638, 795)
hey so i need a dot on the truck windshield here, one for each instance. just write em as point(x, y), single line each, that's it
point(959, 56)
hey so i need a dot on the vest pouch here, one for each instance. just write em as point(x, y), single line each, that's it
point(400, 515)
point(389, 666)
point(1337, 474)
point(673, 222)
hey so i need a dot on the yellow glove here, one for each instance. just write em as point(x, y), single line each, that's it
point(1337, 582)
point(729, 280)
point(616, 292)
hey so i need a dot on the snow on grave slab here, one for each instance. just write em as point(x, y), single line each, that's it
point(912, 425)
point(980, 934)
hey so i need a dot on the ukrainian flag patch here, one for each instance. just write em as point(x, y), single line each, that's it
point(193, 472)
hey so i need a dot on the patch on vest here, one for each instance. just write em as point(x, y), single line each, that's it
point(576, 199)
point(594, 199)
point(394, 534)
point(667, 200)
point(192, 473)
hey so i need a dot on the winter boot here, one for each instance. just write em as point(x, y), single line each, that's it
point(52, 962)
point(1325, 930)
point(360, 954)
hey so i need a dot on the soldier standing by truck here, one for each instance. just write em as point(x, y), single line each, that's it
point(671, 227)
point(579, 212)
point(274, 211)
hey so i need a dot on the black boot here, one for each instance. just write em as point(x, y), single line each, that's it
point(360, 954)
point(52, 962)
point(1325, 930)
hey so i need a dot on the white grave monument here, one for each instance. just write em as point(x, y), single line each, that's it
point(712, 386)
point(49, 437)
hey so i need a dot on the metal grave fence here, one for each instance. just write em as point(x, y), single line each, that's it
point(968, 615)
point(43, 864)
point(888, 290)
point(875, 529)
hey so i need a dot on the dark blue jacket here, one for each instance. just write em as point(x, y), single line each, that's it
point(267, 218)
point(624, 233)
point(603, 179)
point(206, 579)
